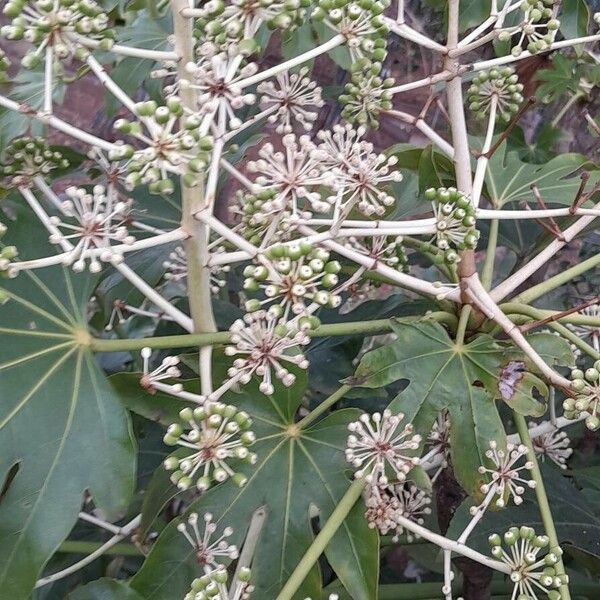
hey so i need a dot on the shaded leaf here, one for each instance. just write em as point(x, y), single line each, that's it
point(509, 179)
point(60, 424)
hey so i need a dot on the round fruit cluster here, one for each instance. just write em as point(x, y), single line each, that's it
point(586, 386)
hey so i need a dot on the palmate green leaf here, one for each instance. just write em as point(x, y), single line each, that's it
point(509, 179)
point(441, 376)
point(466, 380)
point(296, 472)
point(62, 429)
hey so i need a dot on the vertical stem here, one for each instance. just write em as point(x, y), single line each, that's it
point(463, 321)
point(488, 266)
point(542, 499)
point(458, 125)
point(48, 83)
point(193, 200)
point(323, 538)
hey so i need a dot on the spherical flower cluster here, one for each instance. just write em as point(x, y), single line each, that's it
point(299, 273)
point(168, 149)
point(361, 24)
point(386, 505)
point(295, 174)
point(455, 222)
point(500, 86)
point(385, 250)
point(366, 95)
point(223, 23)
point(215, 79)
point(53, 24)
point(207, 549)
point(264, 216)
point(177, 269)
point(356, 171)
point(506, 480)
point(215, 433)
point(554, 445)
point(99, 219)
point(377, 442)
point(264, 344)
point(4, 64)
point(530, 573)
point(213, 586)
point(26, 158)
point(294, 98)
point(537, 29)
point(586, 386)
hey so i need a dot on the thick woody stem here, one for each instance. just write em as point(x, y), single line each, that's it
point(458, 126)
point(193, 200)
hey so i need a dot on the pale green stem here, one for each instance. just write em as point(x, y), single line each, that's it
point(488, 266)
point(326, 404)
point(560, 279)
point(463, 321)
point(81, 547)
point(192, 201)
point(542, 498)
point(322, 540)
point(575, 340)
point(539, 314)
point(565, 109)
point(223, 337)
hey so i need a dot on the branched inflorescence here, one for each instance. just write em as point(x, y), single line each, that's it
point(318, 191)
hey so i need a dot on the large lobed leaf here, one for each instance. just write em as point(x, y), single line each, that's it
point(464, 379)
point(62, 429)
point(297, 471)
point(509, 179)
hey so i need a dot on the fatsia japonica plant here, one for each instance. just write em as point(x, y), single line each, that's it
point(299, 299)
